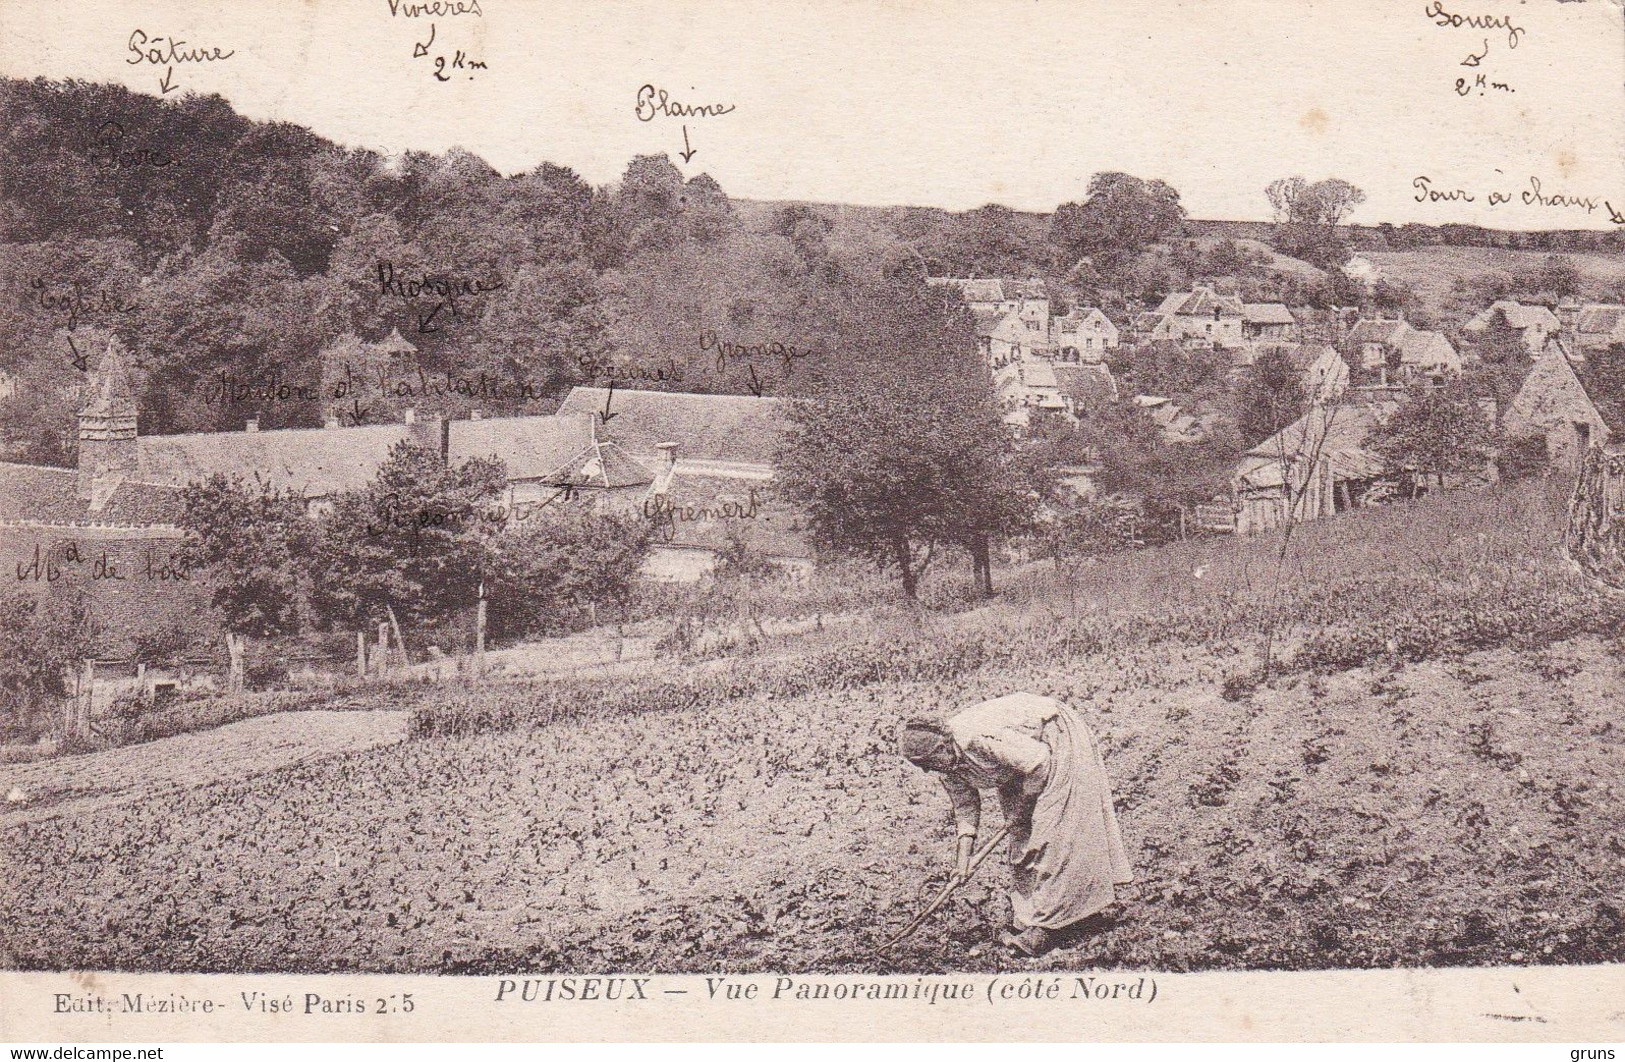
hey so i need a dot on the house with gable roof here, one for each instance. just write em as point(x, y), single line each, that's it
point(1534, 323)
point(1599, 325)
point(1391, 352)
point(1555, 405)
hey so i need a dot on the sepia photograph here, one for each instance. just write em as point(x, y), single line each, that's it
point(876, 491)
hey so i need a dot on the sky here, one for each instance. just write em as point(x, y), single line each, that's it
point(949, 103)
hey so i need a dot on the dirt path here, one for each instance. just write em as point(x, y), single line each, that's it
point(74, 785)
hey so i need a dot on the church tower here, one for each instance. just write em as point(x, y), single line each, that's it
point(107, 436)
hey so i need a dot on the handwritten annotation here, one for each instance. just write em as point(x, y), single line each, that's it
point(53, 565)
point(1535, 194)
point(656, 102)
point(74, 301)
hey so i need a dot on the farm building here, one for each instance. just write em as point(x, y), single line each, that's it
point(1534, 323)
point(1314, 467)
point(1388, 352)
point(1598, 325)
point(1553, 404)
point(1084, 334)
point(710, 460)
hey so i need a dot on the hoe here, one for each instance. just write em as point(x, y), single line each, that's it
point(947, 890)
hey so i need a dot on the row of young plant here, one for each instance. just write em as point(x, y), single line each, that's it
point(1475, 592)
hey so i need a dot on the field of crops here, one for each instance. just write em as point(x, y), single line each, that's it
point(1435, 779)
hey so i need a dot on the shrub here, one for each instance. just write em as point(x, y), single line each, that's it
point(41, 645)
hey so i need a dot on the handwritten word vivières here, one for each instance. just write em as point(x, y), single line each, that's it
point(1446, 19)
point(666, 514)
point(435, 8)
point(1535, 194)
point(654, 102)
point(167, 51)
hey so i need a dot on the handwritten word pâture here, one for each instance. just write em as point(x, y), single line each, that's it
point(168, 51)
point(657, 102)
point(1450, 20)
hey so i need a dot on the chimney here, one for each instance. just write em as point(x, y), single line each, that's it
point(410, 416)
point(252, 425)
point(668, 455)
point(474, 414)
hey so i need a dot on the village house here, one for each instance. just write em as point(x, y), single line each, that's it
point(1266, 324)
point(1391, 352)
point(1598, 326)
point(1197, 318)
point(1534, 323)
point(1203, 317)
point(1083, 334)
point(991, 298)
point(1316, 466)
point(711, 460)
point(1554, 405)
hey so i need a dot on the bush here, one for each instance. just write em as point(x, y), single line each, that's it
point(554, 573)
point(1522, 457)
point(42, 643)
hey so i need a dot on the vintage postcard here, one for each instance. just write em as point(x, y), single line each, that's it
point(1059, 519)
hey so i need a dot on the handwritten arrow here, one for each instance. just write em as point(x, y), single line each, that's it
point(423, 322)
point(79, 361)
point(755, 384)
point(605, 413)
point(165, 84)
point(420, 50)
point(687, 151)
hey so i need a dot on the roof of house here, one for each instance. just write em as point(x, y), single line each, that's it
point(530, 447)
point(1080, 316)
point(315, 461)
point(713, 427)
point(1039, 373)
point(974, 290)
point(1423, 348)
point(1516, 315)
point(1599, 317)
point(50, 495)
point(1201, 301)
point(602, 464)
point(1088, 385)
point(1378, 331)
point(1337, 433)
point(38, 492)
point(1265, 313)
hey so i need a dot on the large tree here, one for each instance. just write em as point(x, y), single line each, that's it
point(1435, 431)
point(250, 540)
point(414, 541)
point(1308, 216)
point(902, 452)
point(1120, 217)
point(1269, 396)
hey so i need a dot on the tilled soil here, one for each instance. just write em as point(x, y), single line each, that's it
point(1450, 812)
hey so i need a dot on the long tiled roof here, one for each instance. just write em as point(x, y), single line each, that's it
point(530, 447)
point(50, 495)
point(710, 427)
point(1265, 313)
point(315, 461)
point(1599, 318)
point(1378, 331)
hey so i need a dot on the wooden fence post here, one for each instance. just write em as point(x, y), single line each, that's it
point(361, 654)
point(382, 651)
point(479, 633)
